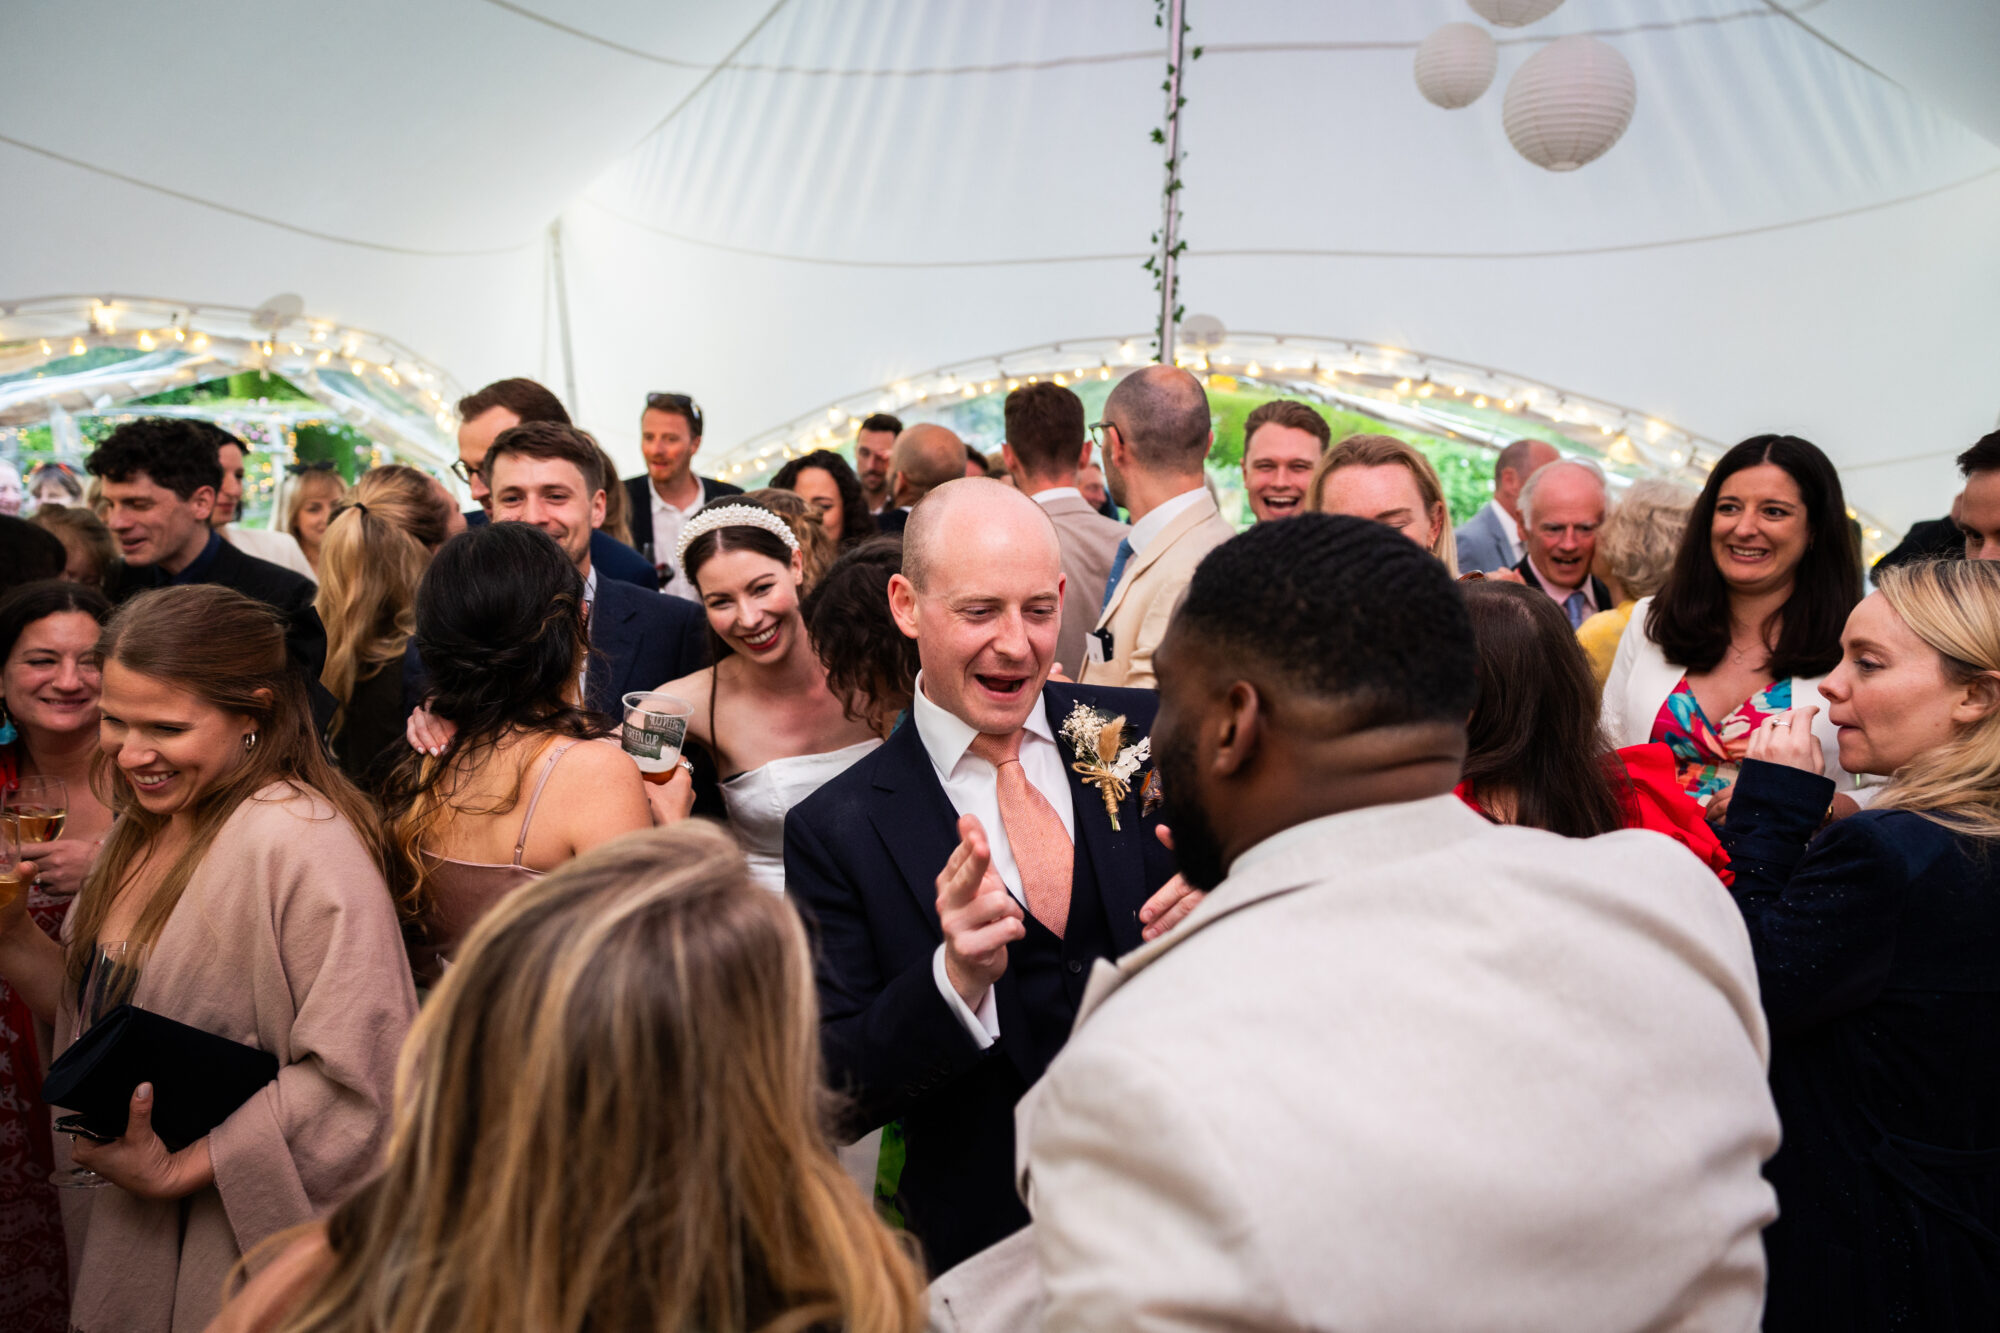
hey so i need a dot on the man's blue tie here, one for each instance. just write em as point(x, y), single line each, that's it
point(1575, 605)
point(1117, 571)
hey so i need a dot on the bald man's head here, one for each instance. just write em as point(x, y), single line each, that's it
point(977, 511)
point(926, 456)
point(981, 592)
point(1162, 413)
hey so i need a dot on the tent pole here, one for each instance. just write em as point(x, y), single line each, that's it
point(1176, 39)
point(562, 317)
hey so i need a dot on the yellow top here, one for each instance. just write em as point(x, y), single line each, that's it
point(1599, 635)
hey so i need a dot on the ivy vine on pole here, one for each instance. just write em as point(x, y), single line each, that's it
point(1168, 246)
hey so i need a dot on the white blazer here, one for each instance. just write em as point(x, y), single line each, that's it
point(1406, 1070)
point(1641, 679)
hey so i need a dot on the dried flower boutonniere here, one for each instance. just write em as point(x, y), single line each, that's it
point(1102, 757)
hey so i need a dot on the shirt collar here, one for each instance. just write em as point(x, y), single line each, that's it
point(1055, 493)
point(589, 588)
point(1152, 525)
point(660, 501)
point(1561, 597)
point(947, 737)
point(197, 568)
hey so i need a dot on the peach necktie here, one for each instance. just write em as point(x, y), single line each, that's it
point(1042, 849)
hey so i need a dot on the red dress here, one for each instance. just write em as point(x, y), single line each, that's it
point(34, 1267)
point(1653, 799)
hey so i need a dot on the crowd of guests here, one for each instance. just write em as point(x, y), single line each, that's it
point(1068, 912)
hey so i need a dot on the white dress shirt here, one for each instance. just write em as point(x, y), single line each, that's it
point(1510, 532)
point(1148, 529)
point(971, 785)
point(1056, 493)
point(668, 520)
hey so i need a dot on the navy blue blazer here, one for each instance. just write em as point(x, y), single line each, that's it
point(862, 856)
point(639, 512)
point(639, 639)
point(1878, 957)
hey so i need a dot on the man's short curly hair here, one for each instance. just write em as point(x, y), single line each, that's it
point(1341, 608)
point(181, 455)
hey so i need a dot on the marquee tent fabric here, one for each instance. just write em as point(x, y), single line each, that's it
point(775, 206)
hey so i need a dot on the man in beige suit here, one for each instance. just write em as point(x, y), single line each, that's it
point(1404, 1069)
point(1046, 444)
point(1155, 438)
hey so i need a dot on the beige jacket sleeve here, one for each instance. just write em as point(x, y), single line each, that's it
point(335, 968)
point(1137, 1222)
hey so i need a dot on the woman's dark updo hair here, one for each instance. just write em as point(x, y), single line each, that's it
point(856, 524)
point(1534, 728)
point(871, 665)
point(500, 629)
point(38, 601)
point(1690, 619)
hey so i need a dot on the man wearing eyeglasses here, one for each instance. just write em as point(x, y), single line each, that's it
point(1562, 507)
point(501, 406)
point(670, 493)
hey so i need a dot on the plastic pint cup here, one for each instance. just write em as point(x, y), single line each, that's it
point(655, 730)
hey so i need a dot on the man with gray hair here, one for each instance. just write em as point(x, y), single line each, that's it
point(1154, 438)
point(1562, 507)
point(1490, 539)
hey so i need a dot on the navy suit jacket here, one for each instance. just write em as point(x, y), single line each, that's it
point(862, 856)
point(639, 639)
point(639, 510)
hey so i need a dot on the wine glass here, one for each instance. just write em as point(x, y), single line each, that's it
point(11, 886)
point(109, 967)
point(42, 806)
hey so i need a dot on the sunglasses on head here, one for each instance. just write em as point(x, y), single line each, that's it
point(300, 469)
point(679, 403)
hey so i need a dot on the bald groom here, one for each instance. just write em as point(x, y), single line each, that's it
point(961, 880)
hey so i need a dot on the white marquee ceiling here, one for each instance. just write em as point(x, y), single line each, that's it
point(1794, 234)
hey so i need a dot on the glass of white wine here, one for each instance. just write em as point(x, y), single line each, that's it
point(11, 886)
point(42, 807)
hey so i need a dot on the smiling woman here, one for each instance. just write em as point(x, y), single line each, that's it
point(763, 711)
point(1749, 619)
point(245, 878)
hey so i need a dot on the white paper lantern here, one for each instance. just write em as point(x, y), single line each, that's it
point(1569, 102)
point(1455, 65)
point(1514, 13)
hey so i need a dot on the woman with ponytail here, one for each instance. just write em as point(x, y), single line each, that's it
point(239, 891)
point(1878, 956)
point(376, 547)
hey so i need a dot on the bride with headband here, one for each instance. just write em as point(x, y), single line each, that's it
point(763, 711)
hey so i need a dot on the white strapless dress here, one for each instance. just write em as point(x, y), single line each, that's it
point(759, 800)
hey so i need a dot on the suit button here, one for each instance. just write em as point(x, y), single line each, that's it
point(1074, 967)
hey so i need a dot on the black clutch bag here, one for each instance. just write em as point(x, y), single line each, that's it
point(198, 1078)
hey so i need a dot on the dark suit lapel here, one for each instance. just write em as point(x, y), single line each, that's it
point(913, 817)
point(1115, 860)
point(918, 824)
point(610, 644)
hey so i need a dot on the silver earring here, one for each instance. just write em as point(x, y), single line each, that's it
point(249, 741)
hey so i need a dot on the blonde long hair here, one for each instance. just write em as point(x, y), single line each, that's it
point(1954, 607)
point(378, 544)
point(312, 484)
point(1388, 451)
point(607, 1117)
point(229, 651)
